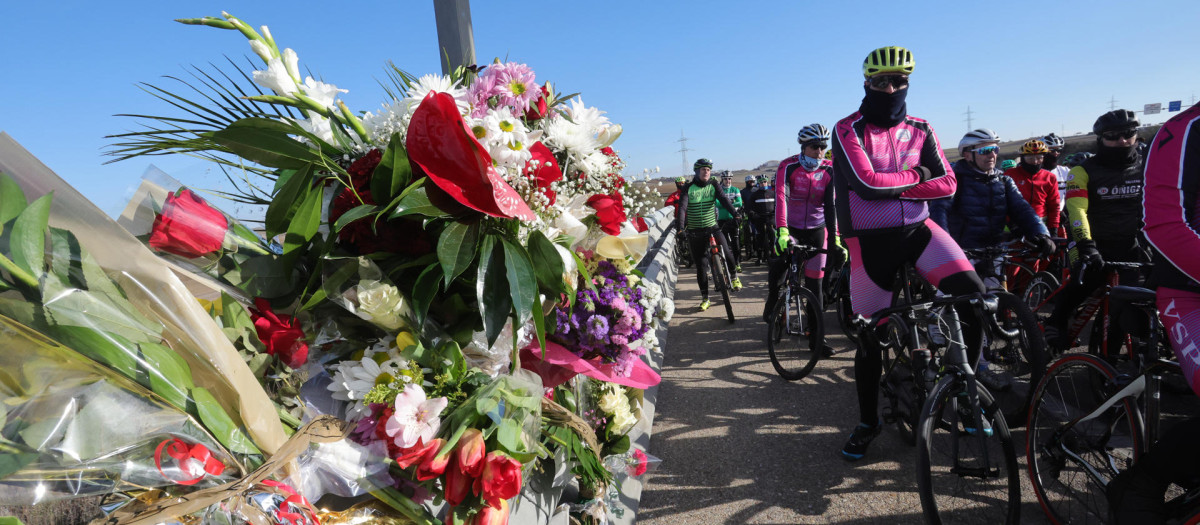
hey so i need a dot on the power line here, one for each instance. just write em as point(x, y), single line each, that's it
point(683, 149)
point(1112, 103)
point(968, 113)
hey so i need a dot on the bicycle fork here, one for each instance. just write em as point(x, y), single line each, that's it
point(973, 425)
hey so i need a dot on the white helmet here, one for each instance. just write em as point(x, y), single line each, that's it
point(813, 133)
point(1053, 141)
point(977, 137)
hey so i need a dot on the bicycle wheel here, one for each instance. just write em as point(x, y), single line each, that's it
point(1017, 358)
point(795, 334)
point(724, 281)
point(963, 475)
point(1070, 465)
point(845, 314)
point(1021, 278)
point(904, 396)
point(1037, 296)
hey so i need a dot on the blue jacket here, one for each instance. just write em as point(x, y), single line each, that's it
point(982, 206)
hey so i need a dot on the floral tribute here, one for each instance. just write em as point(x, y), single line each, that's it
point(430, 274)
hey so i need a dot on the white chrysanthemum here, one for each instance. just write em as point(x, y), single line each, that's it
point(564, 135)
point(592, 120)
point(417, 91)
point(392, 119)
point(354, 379)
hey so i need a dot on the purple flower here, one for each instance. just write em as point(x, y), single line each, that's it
point(597, 328)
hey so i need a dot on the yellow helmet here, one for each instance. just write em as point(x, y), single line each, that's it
point(1034, 147)
point(890, 59)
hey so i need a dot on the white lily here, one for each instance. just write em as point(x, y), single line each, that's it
point(608, 135)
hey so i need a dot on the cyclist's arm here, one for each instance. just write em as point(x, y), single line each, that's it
point(1077, 205)
point(830, 216)
point(781, 203)
point(681, 217)
point(1020, 213)
point(852, 163)
point(942, 182)
point(737, 200)
point(1053, 204)
point(1169, 197)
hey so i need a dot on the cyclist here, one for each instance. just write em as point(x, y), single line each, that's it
point(698, 217)
point(1008, 163)
point(886, 166)
point(729, 225)
point(1052, 161)
point(761, 209)
point(985, 202)
point(673, 199)
point(1104, 205)
point(802, 196)
point(1038, 186)
point(1170, 203)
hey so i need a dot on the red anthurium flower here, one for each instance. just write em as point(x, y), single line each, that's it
point(446, 150)
point(610, 211)
point(188, 227)
point(547, 170)
point(281, 334)
point(500, 480)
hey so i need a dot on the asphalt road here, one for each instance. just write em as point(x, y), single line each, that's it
point(740, 445)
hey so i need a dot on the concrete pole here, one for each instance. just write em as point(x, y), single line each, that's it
point(456, 41)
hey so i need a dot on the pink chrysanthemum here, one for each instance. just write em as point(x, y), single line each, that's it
point(509, 84)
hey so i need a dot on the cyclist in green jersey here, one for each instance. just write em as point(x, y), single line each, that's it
point(729, 225)
point(698, 219)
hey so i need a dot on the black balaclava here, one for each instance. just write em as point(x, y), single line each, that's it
point(1116, 155)
point(1029, 168)
point(1050, 160)
point(884, 109)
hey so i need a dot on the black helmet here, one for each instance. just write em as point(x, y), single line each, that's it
point(702, 163)
point(1115, 120)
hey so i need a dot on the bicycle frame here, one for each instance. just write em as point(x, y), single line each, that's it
point(797, 255)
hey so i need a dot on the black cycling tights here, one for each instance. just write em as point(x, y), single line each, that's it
point(698, 242)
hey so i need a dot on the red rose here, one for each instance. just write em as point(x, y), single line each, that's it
point(608, 151)
point(547, 171)
point(188, 227)
point(362, 169)
point(281, 334)
point(538, 109)
point(641, 224)
point(446, 150)
point(500, 479)
point(402, 236)
point(610, 211)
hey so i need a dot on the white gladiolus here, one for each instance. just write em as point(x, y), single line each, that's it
point(261, 49)
point(609, 134)
point(276, 78)
point(292, 63)
point(324, 94)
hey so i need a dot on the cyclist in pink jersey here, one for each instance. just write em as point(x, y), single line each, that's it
point(1171, 211)
point(887, 164)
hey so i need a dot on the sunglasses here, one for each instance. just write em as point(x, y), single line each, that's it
point(987, 150)
point(882, 81)
point(819, 145)
point(1118, 135)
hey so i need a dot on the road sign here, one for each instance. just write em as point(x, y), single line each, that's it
point(1153, 109)
point(1175, 105)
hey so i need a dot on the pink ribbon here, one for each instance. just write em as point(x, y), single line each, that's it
point(560, 365)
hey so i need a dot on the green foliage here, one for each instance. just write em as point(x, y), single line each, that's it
point(457, 248)
point(491, 288)
point(267, 142)
point(219, 424)
point(393, 172)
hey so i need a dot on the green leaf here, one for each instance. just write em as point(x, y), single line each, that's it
point(522, 283)
point(457, 248)
point(491, 289)
point(508, 436)
point(267, 276)
point(284, 202)
point(168, 374)
point(65, 257)
point(220, 425)
point(14, 457)
point(415, 201)
point(305, 223)
point(587, 276)
point(547, 264)
point(108, 349)
point(425, 290)
point(620, 446)
point(12, 200)
point(265, 142)
point(393, 172)
point(354, 214)
point(234, 315)
point(539, 326)
point(28, 241)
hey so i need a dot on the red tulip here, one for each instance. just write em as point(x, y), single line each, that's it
point(407, 457)
point(458, 484)
point(188, 227)
point(446, 150)
point(500, 480)
point(470, 452)
point(610, 211)
point(281, 334)
point(492, 515)
point(432, 464)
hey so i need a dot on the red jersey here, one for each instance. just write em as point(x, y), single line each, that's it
point(1040, 191)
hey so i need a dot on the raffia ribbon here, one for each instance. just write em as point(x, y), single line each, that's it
point(559, 415)
point(324, 429)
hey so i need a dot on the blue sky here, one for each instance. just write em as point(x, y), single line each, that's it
point(737, 78)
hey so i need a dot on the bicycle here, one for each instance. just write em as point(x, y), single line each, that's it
point(798, 317)
point(1089, 422)
point(1016, 357)
point(837, 292)
point(722, 278)
point(1097, 302)
point(966, 460)
point(683, 254)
